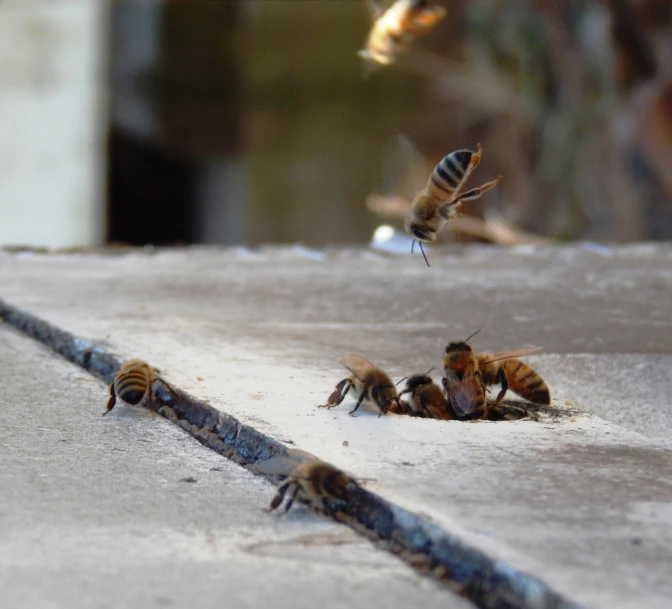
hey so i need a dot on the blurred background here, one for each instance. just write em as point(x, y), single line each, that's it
point(249, 121)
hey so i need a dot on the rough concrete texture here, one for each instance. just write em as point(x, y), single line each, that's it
point(131, 511)
point(580, 502)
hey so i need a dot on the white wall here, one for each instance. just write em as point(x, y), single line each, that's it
point(52, 121)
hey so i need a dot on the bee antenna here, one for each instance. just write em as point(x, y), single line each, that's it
point(412, 245)
point(432, 368)
point(422, 249)
point(399, 381)
point(472, 336)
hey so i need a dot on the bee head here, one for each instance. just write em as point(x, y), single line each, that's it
point(337, 485)
point(459, 345)
point(384, 396)
point(419, 232)
point(457, 353)
point(417, 380)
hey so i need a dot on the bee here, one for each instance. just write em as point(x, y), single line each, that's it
point(427, 398)
point(369, 381)
point(134, 384)
point(314, 481)
point(395, 29)
point(438, 202)
point(467, 374)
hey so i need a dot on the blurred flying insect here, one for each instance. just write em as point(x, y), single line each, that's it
point(426, 397)
point(467, 374)
point(314, 482)
point(134, 384)
point(369, 381)
point(438, 201)
point(396, 28)
point(405, 174)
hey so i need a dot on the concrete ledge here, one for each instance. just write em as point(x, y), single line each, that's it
point(574, 501)
point(487, 582)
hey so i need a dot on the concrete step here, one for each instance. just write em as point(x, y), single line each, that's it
point(577, 501)
point(131, 511)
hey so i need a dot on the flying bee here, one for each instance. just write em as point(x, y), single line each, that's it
point(369, 381)
point(467, 374)
point(395, 29)
point(426, 397)
point(314, 481)
point(133, 384)
point(438, 201)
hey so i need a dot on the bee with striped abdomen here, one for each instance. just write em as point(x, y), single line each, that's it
point(438, 202)
point(467, 374)
point(514, 375)
point(395, 29)
point(369, 381)
point(314, 481)
point(426, 398)
point(133, 384)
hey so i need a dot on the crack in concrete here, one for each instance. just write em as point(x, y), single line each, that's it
point(486, 582)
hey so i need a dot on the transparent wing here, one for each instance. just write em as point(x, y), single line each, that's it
point(412, 168)
point(375, 9)
point(461, 393)
point(405, 173)
point(390, 206)
point(357, 364)
point(508, 355)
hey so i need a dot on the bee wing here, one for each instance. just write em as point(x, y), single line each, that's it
point(357, 364)
point(404, 175)
point(391, 206)
point(461, 393)
point(509, 354)
point(405, 170)
point(414, 167)
point(375, 10)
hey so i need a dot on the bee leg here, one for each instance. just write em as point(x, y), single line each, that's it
point(423, 253)
point(359, 403)
point(504, 382)
point(338, 395)
point(291, 499)
point(280, 495)
point(476, 193)
point(426, 413)
point(112, 401)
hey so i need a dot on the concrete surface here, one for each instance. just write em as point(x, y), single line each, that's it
point(576, 500)
point(130, 511)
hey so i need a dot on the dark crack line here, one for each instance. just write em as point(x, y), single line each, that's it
point(485, 581)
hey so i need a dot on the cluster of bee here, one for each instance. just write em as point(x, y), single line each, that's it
point(312, 482)
point(467, 377)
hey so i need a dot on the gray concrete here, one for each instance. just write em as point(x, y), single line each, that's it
point(101, 513)
point(576, 500)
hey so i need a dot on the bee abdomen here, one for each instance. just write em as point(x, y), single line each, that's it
point(449, 174)
point(132, 386)
point(526, 382)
